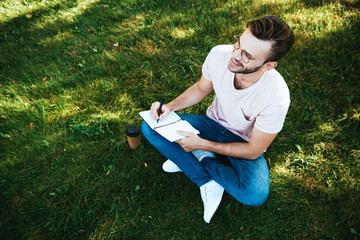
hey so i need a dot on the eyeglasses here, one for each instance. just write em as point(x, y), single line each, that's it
point(246, 57)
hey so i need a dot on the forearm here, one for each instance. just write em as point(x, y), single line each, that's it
point(256, 146)
point(252, 149)
point(236, 149)
point(191, 96)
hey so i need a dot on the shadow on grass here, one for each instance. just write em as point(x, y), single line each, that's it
point(70, 192)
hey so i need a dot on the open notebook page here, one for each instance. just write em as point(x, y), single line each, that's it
point(170, 132)
point(172, 117)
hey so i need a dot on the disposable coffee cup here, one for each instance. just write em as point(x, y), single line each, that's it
point(133, 136)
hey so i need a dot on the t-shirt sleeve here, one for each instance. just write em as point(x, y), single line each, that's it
point(271, 119)
point(206, 65)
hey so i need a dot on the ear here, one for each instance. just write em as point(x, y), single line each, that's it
point(268, 66)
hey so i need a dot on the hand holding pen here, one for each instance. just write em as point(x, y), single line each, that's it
point(159, 110)
point(161, 104)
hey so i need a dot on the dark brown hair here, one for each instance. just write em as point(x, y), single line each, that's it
point(274, 29)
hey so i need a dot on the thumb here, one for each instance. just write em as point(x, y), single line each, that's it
point(184, 133)
point(165, 110)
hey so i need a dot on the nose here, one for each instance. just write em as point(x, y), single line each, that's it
point(237, 56)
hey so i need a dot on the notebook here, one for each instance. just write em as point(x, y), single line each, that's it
point(168, 126)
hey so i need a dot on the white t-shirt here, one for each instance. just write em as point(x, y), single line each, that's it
point(263, 105)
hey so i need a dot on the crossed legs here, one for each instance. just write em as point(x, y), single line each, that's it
point(246, 180)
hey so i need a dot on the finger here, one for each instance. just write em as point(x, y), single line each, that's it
point(154, 110)
point(184, 133)
point(164, 112)
point(180, 142)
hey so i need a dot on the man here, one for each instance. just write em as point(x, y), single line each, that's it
point(248, 111)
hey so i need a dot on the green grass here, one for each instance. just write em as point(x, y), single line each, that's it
point(75, 74)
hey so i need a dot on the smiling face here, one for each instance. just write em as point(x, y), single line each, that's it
point(249, 54)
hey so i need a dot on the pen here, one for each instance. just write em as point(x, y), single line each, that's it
point(161, 103)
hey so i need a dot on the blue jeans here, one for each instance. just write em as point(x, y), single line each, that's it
point(246, 180)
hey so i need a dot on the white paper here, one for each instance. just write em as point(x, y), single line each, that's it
point(169, 126)
point(171, 118)
point(170, 131)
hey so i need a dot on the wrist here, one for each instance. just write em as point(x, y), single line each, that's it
point(171, 106)
point(205, 145)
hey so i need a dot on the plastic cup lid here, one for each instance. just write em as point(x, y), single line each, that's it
point(133, 131)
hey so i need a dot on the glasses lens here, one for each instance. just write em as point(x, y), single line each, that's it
point(244, 57)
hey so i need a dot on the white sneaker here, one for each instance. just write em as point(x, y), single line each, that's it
point(211, 194)
point(200, 154)
point(170, 167)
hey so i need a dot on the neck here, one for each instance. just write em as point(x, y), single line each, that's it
point(242, 81)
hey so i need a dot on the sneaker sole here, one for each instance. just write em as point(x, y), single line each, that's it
point(213, 214)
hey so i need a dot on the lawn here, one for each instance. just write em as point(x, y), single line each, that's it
point(74, 74)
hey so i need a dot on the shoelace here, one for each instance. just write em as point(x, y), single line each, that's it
point(204, 196)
